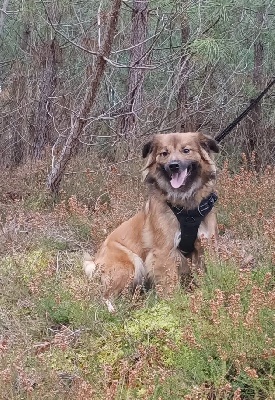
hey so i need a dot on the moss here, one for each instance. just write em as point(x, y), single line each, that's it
point(145, 323)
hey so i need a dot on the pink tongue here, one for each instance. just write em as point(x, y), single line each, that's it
point(178, 179)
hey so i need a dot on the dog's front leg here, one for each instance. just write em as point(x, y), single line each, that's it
point(162, 269)
point(208, 234)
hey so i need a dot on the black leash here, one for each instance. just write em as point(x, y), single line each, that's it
point(237, 120)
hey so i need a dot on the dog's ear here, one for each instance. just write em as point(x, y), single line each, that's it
point(147, 152)
point(209, 144)
point(147, 149)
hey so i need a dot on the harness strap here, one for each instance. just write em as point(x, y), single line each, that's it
point(190, 221)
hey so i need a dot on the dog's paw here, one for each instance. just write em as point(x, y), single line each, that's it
point(110, 306)
point(88, 265)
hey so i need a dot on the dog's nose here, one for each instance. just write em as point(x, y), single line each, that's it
point(174, 166)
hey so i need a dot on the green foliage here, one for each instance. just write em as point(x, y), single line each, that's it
point(205, 350)
point(209, 49)
point(58, 306)
point(29, 266)
point(217, 339)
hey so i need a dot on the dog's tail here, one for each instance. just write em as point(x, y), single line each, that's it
point(88, 265)
point(139, 275)
point(139, 271)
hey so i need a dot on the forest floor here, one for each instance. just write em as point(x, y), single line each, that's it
point(58, 341)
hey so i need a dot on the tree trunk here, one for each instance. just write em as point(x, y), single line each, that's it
point(254, 122)
point(129, 122)
point(184, 121)
point(79, 121)
point(40, 128)
point(18, 88)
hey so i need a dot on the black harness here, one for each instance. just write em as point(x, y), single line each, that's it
point(190, 221)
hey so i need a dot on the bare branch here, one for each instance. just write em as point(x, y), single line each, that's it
point(3, 13)
point(95, 53)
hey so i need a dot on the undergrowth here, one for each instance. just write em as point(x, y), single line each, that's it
point(57, 340)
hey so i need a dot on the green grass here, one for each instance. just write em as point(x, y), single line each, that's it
point(189, 345)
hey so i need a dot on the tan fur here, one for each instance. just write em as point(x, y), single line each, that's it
point(145, 246)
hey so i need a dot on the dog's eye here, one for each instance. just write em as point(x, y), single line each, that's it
point(185, 150)
point(164, 153)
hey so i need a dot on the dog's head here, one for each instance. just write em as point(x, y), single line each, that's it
point(178, 163)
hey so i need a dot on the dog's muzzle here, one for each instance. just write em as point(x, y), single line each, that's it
point(177, 166)
point(179, 171)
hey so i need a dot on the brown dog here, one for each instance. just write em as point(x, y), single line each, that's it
point(159, 243)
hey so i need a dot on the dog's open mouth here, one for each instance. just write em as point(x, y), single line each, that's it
point(179, 178)
point(180, 173)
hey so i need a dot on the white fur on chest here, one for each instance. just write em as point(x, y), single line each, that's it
point(177, 239)
point(203, 232)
